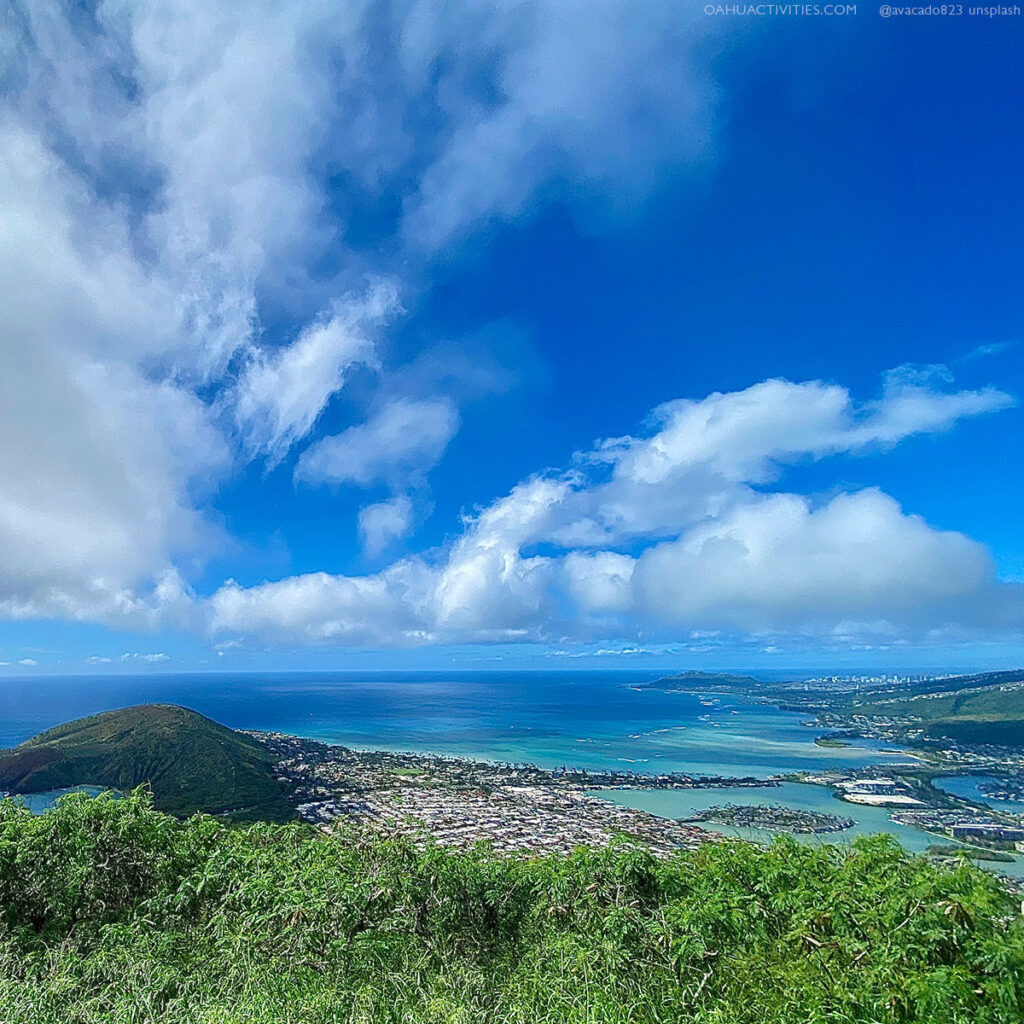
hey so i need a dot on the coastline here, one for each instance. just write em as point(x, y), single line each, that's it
point(694, 739)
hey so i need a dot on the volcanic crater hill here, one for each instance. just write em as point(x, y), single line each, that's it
point(709, 682)
point(190, 762)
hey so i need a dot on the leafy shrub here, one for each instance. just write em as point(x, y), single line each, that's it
point(112, 912)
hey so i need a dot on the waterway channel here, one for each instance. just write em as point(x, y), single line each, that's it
point(682, 803)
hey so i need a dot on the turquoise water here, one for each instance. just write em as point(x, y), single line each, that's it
point(681, 803)
point(39, 802)
point(577, 719)
point(595, 720)
point(966, 786)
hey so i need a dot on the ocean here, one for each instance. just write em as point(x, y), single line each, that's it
point(552, 719)
point(577, 719)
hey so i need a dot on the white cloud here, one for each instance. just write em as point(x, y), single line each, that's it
point(600, 581)
point(281, 394)
point(780, 563)
point(168, 221)
point(230, 108)
point(128, 282)
point(385, 522)
point(28, 662)
point(397, 445)
point(97, 659)
point(100, 464)
point(170, 218)
point(139, 225)
point(717, 557)
point(388, 606)
point(909, 406)
point(573, 82)
point(705, 454)
point(152, 659)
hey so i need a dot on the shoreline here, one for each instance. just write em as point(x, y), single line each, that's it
point(591, 800)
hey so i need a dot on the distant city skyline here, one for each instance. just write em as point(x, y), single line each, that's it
point(552, 335)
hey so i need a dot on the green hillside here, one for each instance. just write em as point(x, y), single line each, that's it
point(989, 715)
point(990, 703)
point(968, 682)
point(190, 762)
point(110, 912)
point(1003, 732)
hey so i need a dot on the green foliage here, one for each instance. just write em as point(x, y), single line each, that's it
point(992, 704)
point(190, 762)
point(1003, 730)
point(113, 912)
point(988, 715)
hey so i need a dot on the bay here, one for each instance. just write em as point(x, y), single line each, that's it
point(576, 719)
point(592, 720)
point(802, 796)
point(37, 803)
point(967, 786)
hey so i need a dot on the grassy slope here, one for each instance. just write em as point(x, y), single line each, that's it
point(978, 716)
point(191, 762)
point(110, 912)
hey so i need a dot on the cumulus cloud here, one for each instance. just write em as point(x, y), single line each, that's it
point(401, 442)
point(703, 454)
point(782, 564)
point(385, 522)
point(101, 464)
point(152, 659)
point(183, 288)
point(717, 554)
point(319, 607)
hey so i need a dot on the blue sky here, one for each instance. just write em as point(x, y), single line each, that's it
point(547, 334)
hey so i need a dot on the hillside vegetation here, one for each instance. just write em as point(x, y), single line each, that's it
point(112, 912)
point(190, 762)
point(990, 715)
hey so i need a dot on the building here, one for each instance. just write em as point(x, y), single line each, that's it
point(986, 830)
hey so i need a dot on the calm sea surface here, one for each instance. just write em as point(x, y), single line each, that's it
point(580, 719)
point(577, 719)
